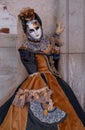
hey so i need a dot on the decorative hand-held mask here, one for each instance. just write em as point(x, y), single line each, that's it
point(34, 29)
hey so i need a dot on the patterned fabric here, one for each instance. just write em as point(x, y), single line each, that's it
point(29, 61)
point(23, 96)
point(33, 124)
point(54, 116)
point(38, 46)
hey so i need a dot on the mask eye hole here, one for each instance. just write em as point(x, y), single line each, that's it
point(37, 28)
point(31, 30)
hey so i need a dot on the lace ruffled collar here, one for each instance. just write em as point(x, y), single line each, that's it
point(38, 45)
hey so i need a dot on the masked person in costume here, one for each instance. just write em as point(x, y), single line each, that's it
point(44, 101)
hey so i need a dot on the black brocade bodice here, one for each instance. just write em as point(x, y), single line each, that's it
point(29, 61)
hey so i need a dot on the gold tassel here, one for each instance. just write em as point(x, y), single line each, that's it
point(45, 112)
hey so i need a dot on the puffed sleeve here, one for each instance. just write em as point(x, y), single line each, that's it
point(56, 53)
point(29, 60)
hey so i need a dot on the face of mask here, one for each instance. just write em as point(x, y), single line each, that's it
point(34, 29)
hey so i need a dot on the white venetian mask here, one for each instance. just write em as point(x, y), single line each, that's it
point(34, 29)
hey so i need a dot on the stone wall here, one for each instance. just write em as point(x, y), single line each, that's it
point(72, 63)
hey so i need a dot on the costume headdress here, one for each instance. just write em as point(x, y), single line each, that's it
point(26, 15)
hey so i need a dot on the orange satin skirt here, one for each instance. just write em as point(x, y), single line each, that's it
point(16, 118)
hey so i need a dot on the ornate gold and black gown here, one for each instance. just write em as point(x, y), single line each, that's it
point(15, 113)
